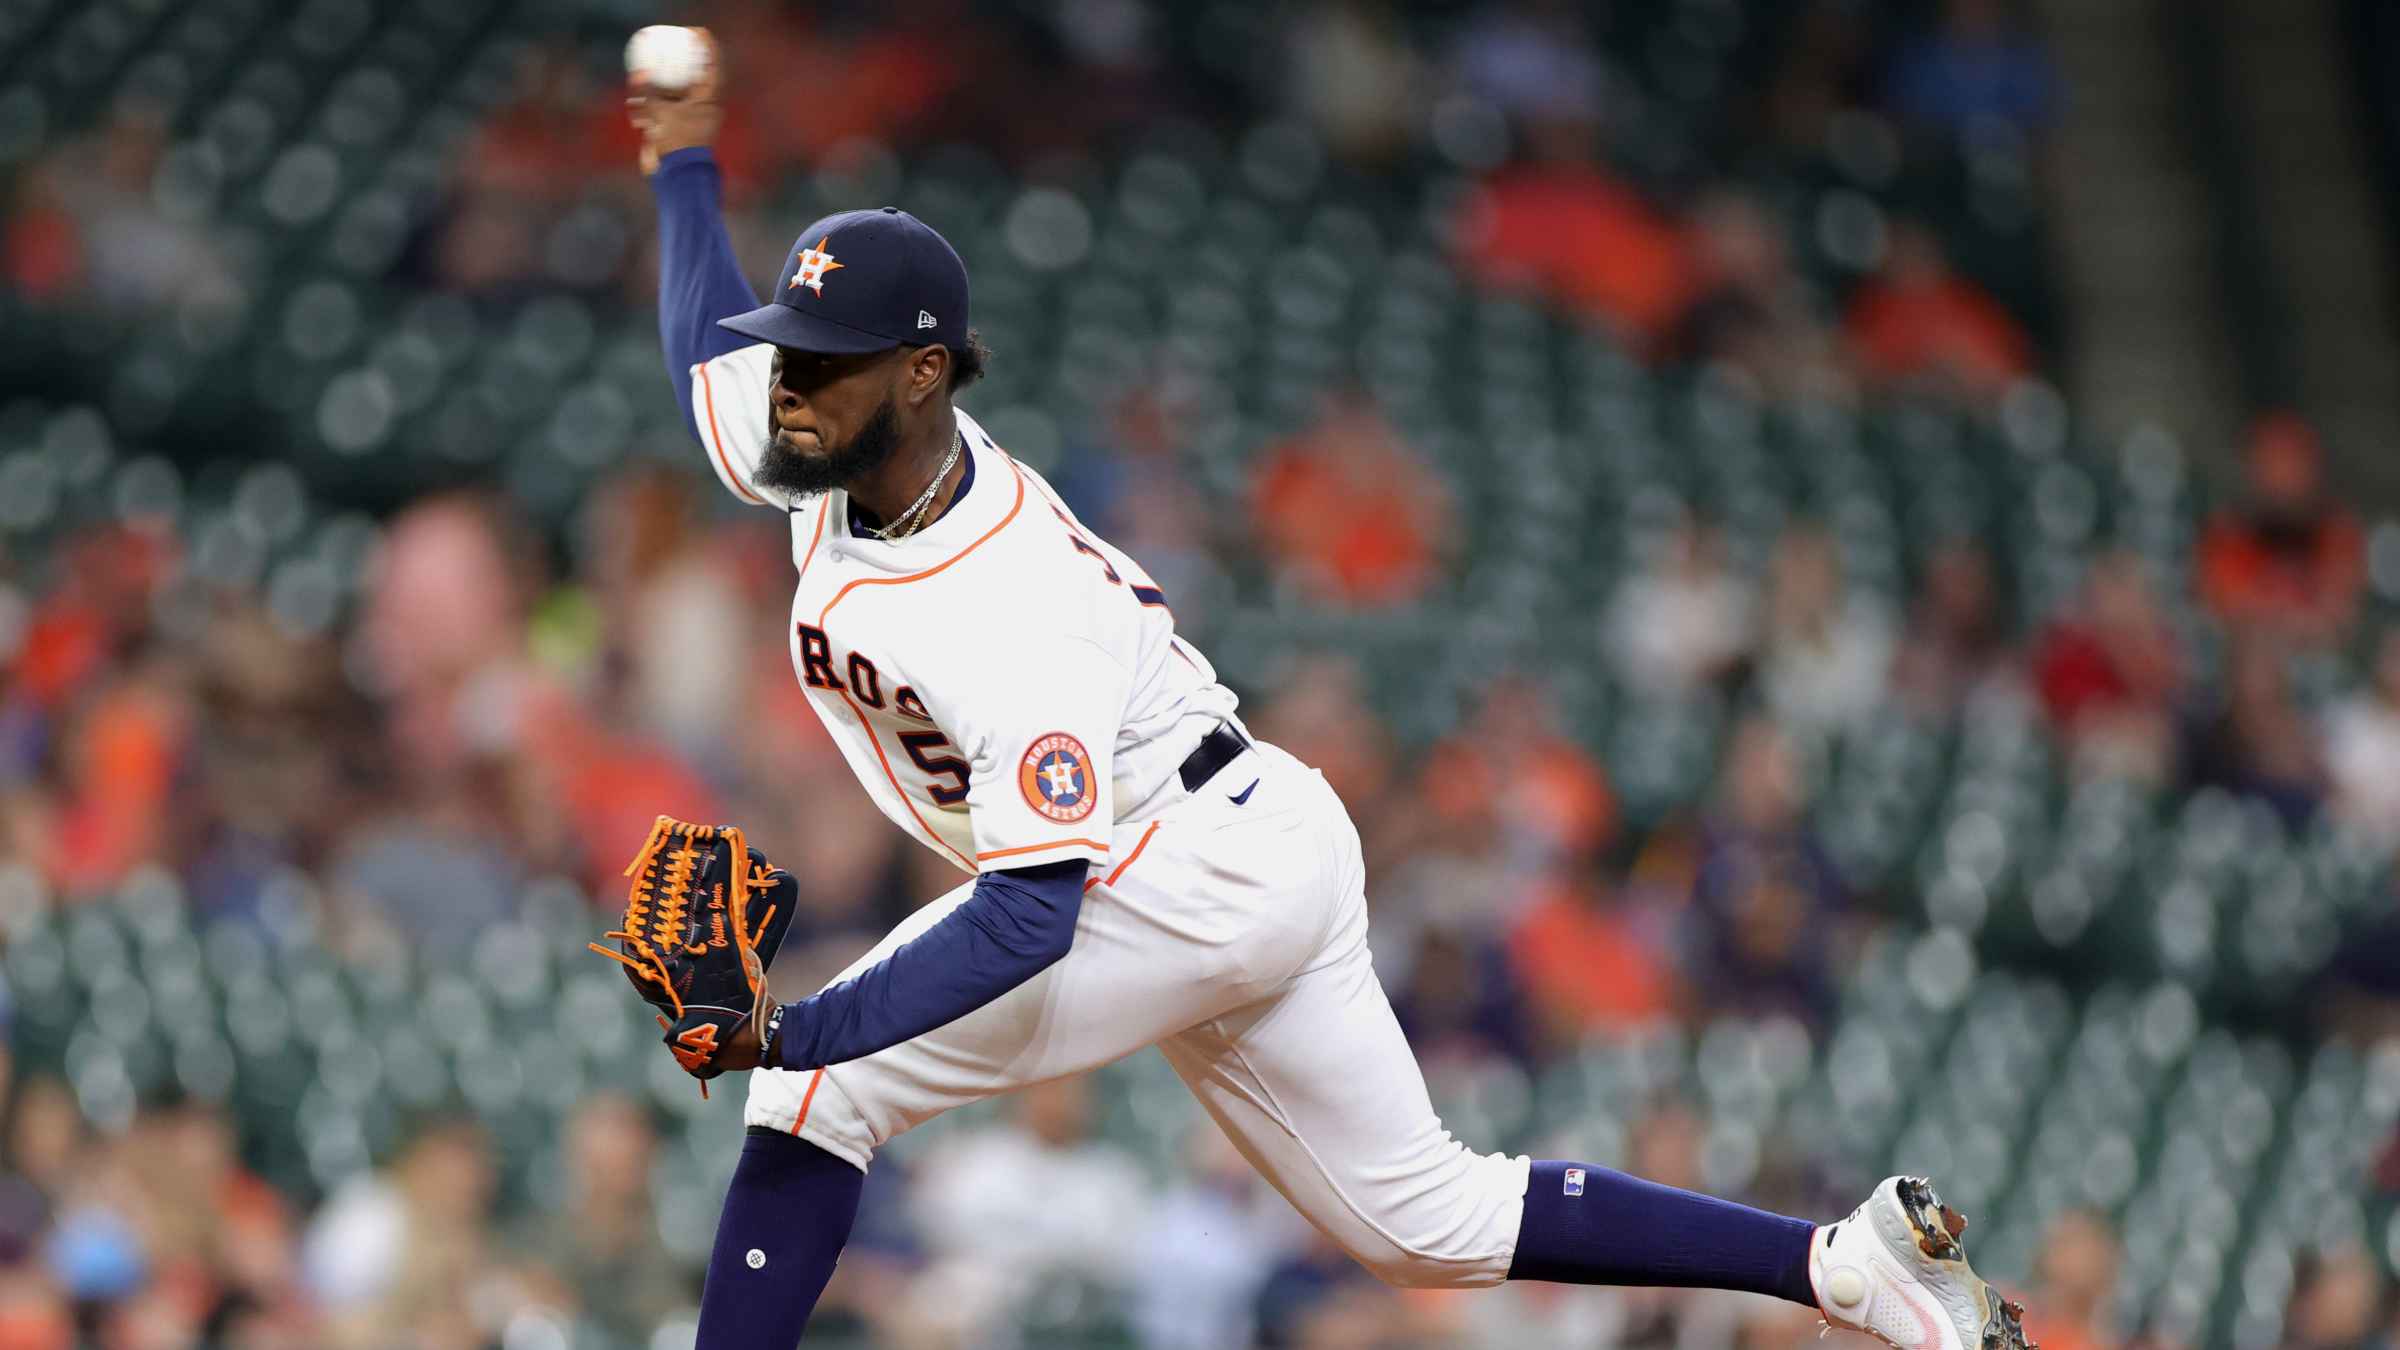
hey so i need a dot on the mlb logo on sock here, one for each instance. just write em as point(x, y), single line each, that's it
point(1574, 1181)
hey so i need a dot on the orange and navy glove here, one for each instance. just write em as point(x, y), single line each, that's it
point(702, 923)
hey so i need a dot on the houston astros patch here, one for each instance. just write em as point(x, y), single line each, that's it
point(1056, 775)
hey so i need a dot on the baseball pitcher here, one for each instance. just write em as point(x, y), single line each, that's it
point(1010, 689)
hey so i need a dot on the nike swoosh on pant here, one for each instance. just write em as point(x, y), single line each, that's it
point(1243, 796)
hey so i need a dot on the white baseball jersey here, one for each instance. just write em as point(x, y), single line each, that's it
point(1007, 685)
point(1010, 690)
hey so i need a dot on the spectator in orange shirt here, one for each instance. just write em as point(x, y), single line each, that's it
point(1350, 511)
point(1589, 962)
point(1584, 959)
point(1528, 809)
point(121, 757)
point(1566, 227)
point(1510, 772)
point(1919, 319)
point(2289, 558)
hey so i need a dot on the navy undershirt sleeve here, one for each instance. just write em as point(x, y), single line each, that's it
point(698, 280)
point(1016, 925)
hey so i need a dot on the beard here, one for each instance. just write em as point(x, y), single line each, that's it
point(798, 475)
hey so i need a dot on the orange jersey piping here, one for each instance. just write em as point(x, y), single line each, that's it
point(708, 392)
point(1139, 845)
point(1014, 508)
point(823, 510)
point(806, 1100)
point(1036, 848)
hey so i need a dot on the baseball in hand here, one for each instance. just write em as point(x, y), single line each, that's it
point(669, 57)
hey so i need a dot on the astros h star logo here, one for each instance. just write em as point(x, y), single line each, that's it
point(1056, 776)
point(812, 266)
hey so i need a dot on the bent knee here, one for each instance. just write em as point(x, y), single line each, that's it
point(815, 1107)
point(1461, 1234)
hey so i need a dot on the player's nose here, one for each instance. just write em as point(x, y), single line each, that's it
point(788, 405)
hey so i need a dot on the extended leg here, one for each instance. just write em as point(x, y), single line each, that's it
point(1321, 1093)
point(787, 1216)
point(1320, 1090)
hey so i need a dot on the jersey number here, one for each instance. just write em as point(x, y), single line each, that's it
point(1148, 595)
point(917, 743)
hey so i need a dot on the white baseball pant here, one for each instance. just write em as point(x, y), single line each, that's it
point(1233, 937)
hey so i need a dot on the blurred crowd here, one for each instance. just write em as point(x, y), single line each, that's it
point(498, 712)
point(504, 705)
point(1672, 195)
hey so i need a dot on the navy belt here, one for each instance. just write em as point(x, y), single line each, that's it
point(1216, 750)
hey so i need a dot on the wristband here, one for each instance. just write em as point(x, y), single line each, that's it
point(768, 1031)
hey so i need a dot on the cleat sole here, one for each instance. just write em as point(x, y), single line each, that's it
point(1936, 1225)
point(2005, 1329)
point(1937, 1229)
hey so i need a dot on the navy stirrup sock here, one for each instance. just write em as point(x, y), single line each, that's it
point(787, 1216)
point(1592, 1225)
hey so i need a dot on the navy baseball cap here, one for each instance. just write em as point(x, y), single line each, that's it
point(864, 281)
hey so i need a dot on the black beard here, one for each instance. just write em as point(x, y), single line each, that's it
point(797, 475)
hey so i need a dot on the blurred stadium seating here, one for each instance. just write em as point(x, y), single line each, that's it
point(274, 287)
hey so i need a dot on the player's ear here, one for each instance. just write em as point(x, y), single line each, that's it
point(928, 371)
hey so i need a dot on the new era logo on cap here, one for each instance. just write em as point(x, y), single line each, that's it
point(864, 281)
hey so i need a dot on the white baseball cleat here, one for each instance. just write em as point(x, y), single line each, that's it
point(1895, 1270)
